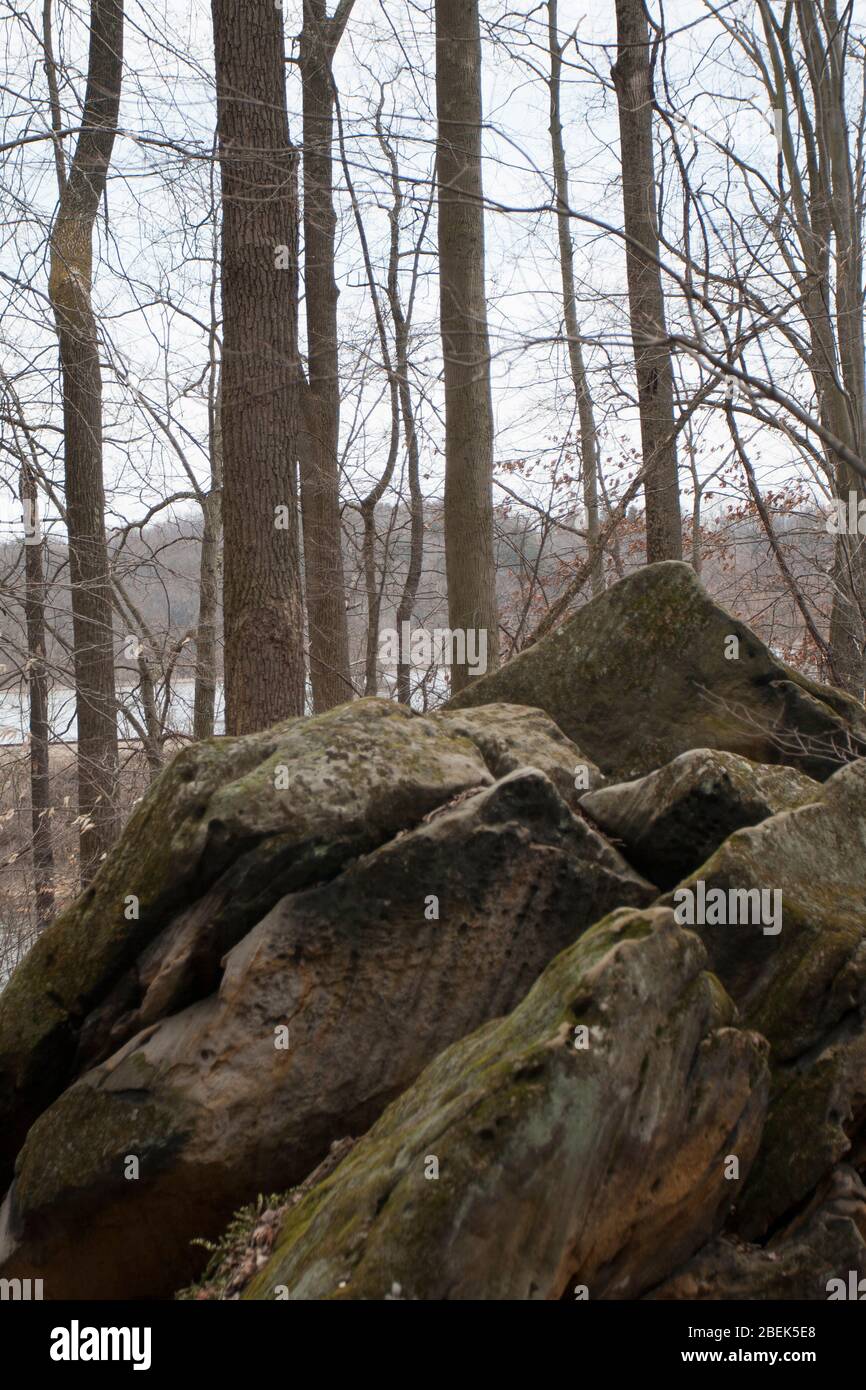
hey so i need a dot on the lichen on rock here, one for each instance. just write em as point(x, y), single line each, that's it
point(437, 941)
point(669, 822)
point(642, 673)
point(556, 1165)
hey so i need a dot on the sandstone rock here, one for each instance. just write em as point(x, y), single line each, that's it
point(182, 962)
point(295, 925)
point(672, 820)
point(803, 987)
point(640, 674)
point(512, 736)
point(372, 974)
point(557, 1166)
point(824, 1243)
point(219, 818)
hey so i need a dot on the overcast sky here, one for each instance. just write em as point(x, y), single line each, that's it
point(154, 257)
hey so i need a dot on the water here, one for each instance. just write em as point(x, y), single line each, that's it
point(15, 714)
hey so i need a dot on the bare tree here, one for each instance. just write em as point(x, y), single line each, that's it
point(805, 236)
point(402, 407)
point(259, 409)
point(469, 546)
point(70, 292)
point(204, 709)
point(210, 567)
point(401, 318)
point(632, 76)
point(319, 472)
point(843, 386)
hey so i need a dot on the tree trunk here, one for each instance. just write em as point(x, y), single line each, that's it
point(586, 414)
point(327, 623)
point(262, 605)
point(37, 686)
point(633, 82)
point(826, 65)
point(400, 321)
point(70, 294)
point(204, 701)
point(469, 544)
point(152, 726)
point(406, 606)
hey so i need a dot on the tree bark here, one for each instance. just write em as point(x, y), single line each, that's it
point(826, 66)
point(632, 79)
point(262, 603)
point(469, 542)
point(204, 699)
point(70, 294)
point(327, 623)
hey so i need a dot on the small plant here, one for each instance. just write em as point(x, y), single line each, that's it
point(246, 1244)
point(233, 1257)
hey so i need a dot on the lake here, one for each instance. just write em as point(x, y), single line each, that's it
point(15, 714)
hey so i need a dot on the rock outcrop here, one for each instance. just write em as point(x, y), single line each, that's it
point(796, 968)
point(654, 667)
point(531, 1160)
point(483, 1018)
point(326, 1010)
point(511, 736)
point(243, 821)
point(672, 820)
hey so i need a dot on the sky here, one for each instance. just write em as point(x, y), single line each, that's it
point(154, 263)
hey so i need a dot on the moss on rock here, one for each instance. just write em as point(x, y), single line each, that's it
point(355, 776)
point(554, 1163)
point(672, 820)
point(803, 988)
point(640, 674)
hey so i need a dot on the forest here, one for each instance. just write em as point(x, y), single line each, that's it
point(424, 423)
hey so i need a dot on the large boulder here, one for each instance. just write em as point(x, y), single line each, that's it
point(326, 1011)
point(245, 820)
point(376, 918)
point(648, 670)
point(581, 1143)
point(672, 820)
point(794, 961)
point(511, 736)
